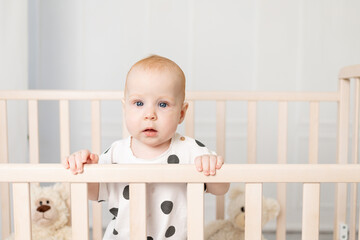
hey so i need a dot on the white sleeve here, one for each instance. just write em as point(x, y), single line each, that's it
point(105, 158)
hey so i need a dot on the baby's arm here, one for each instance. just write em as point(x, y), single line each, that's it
point(75, 162)
point(208, 164)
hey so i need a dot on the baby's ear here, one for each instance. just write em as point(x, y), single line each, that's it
point(183, 111)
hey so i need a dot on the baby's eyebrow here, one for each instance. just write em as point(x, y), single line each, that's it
point(166, 98)
point(134, 96)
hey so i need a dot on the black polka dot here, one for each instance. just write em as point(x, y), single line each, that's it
point(106, 151)
point(115, 232)
point(149, 238)
point(114, 211)
point(101, 201)
point(170, 231)
point(199, 143)
point(173, 159)
point(167, 206)
point(126, 192)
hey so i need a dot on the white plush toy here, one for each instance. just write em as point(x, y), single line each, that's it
point(50, 213)
point(233, 228)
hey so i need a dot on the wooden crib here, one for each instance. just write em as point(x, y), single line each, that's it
point(253, 175)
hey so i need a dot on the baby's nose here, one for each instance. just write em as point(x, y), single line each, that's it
point(150, 115)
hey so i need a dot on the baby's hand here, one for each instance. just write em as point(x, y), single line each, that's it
point(75, 162)
point(208, 164)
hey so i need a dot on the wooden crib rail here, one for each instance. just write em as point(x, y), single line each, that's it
point(254, 175)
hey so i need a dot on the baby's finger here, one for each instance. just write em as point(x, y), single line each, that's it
point(85, 155)
point(198, 164)
point(79, 162)
point(219, 162)
point(65, 163)
point(213, 164)
point(94, 158)
point(72, 164)
point(206, 164)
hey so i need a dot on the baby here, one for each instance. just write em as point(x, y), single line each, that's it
point(153, 106)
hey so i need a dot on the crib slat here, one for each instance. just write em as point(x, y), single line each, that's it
point(22, 218)
point(4, 187)
point(189, 120)
point(33, 131)
point(220, 148)
point(195, 211)
point(138, 211)
point(355, 155)
point(95, 146)
point(282, 159)
point(342, 152)
point(282, 132)
point(251, 132)
point(79, 211)
point(253, 213)
point(220, 127)
point(64, 128)
point(314, 133)
point(311, 211)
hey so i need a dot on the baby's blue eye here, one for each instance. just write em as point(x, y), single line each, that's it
point(139, 104)
point(163, 105)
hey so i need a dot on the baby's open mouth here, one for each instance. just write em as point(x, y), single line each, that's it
point(150, 132)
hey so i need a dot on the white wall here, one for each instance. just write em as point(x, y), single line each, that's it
point(14, 70)
point(221, 45)
point(14, 73)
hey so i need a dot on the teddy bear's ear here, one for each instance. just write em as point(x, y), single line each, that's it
point(34, 188)
point(271, 209)
point(236, 191)
point(62, 189)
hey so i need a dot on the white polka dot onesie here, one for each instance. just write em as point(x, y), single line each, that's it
point(166, 203)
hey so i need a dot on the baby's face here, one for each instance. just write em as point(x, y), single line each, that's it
point(153, 106)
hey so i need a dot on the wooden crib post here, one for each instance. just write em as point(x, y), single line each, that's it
point(22, 214)
point(4, 187)
point(253, 213)
point(311, 211)
point(251, 132)
point(64, 129)
point(342, 152)
point(355, 155)
point(282, 159)
point(314, 133)
point(33, 131)
point(195, 216)
point(79, 211)
point(344, 75)
point(220, 148)
point(95, 146)
point(138, 211)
